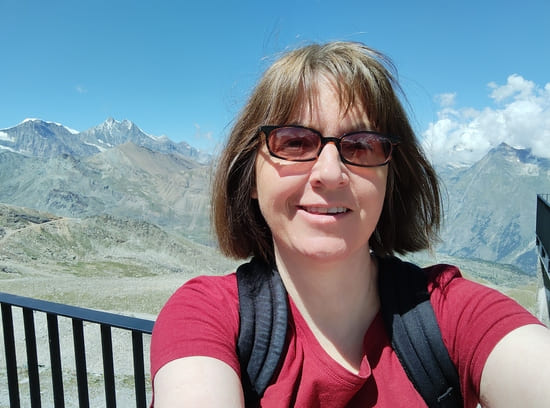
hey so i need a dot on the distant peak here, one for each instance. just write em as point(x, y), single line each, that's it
point(512, 153)
point(127, 123)
point(36, 120)
point(109, 124)
point(31, 120)
point(504, 145)
point(113, 122)
point(110, 121)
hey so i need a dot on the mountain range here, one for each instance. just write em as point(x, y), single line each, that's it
point(38, 138)
point(118, 172)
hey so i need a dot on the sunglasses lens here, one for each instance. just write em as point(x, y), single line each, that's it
point(365, 149)
point(294, 143)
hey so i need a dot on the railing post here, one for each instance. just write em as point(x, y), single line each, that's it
point(55, 360)
point(543, 247)
point(80, 361)
point(108, 368)
point(32, 357)
point(11, 359)
point(139, 377)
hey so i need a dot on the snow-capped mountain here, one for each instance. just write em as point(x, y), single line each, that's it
point(35, 137)
point(38, 138)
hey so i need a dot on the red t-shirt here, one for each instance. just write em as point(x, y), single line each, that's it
point(202, 319)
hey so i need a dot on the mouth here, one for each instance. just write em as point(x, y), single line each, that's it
point(326, 210)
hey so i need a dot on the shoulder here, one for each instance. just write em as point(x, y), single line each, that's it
point(209, 287)
point(469, 304)
point(440, 276)
point(200, 318)
point(452, 294)
point(203, 295)
point(473, 318)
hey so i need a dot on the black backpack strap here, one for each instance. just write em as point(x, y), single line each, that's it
point(263, 313)
point(415, 333)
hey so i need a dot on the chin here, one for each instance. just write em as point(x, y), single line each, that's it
point(332, 253)
point(321, 248)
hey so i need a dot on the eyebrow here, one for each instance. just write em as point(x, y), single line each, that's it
point(362, 127)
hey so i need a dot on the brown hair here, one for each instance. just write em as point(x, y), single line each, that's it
point(412, 209)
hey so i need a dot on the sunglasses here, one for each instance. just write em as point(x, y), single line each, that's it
point(302, 144)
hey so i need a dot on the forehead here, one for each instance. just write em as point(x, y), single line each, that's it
point(327, 100)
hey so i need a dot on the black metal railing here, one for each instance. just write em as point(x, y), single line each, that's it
point(79, 318)
point(543, 240)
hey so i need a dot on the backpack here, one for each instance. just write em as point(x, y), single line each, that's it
point(406, 310)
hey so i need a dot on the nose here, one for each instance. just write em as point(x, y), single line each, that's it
point(329, 170)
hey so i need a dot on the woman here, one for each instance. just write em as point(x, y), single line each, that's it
point(321, 175)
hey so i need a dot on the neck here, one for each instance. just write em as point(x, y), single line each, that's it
point(321, 280)
point(338, 300)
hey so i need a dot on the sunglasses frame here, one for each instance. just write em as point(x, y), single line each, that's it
point(267, 129)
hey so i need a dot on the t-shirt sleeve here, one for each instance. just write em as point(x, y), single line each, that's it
point(200, 319)
point(473, 319)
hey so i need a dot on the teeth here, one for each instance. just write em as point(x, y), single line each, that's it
point(325, 210)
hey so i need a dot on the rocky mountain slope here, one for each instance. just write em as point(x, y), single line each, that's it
point(127, 181)
point(38, 243)
point(491, 207)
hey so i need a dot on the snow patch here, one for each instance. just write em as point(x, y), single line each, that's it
point(103, 142)
point(4, 136)
point(529, 169)
point(101, 148)
point(72, 131)
point(7, 148)
point(31, 120)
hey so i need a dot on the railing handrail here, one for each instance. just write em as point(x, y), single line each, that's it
point(75, 312)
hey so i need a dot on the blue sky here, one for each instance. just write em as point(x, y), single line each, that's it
point(184, 69)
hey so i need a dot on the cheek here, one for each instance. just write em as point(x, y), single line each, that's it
point(377, 182)
point(267, 180)
point(375, 194)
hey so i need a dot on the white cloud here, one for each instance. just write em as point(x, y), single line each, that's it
point(516, 86)
point(520, 117)
point(80, 89)
point(446, 100)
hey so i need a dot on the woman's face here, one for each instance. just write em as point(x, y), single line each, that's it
point(323, 209)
